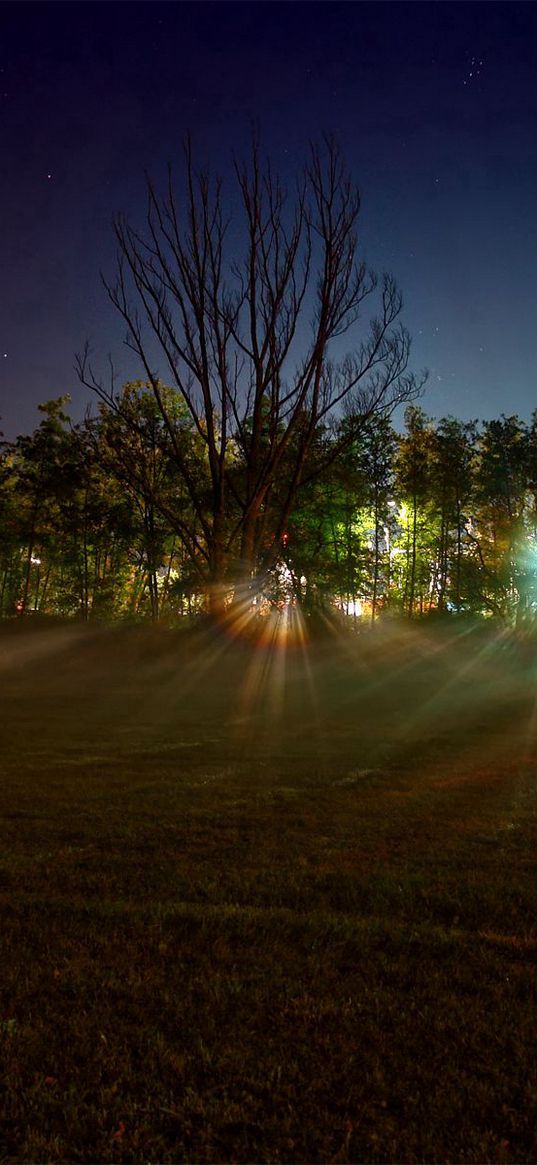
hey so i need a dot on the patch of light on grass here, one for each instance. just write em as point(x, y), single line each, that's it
point(37, 646)
point(477, 674)
point(264, 681)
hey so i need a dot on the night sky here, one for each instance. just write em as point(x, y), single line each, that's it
point(435, 107)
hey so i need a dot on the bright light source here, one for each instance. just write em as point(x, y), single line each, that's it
point(353, 607)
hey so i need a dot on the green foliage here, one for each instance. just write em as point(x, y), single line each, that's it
point(96, 520)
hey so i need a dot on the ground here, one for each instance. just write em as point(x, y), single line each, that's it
point(267, 903)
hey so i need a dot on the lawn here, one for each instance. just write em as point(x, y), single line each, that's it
point(268, 903)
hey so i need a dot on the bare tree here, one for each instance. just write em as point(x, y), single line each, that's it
point(246, 315)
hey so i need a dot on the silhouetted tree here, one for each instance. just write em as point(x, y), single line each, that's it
point(250, 330)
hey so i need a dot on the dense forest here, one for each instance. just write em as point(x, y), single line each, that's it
point(95, 521)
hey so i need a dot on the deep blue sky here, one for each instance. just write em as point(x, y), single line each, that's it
point(435, 106)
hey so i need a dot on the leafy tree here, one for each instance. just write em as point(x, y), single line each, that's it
point(376, 457)
point(452, 487)
point(40, 470)
point(417, 517)
point(11, 547)
point(135, 448)
point(498, 531)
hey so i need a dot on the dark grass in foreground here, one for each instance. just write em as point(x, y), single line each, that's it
point(267, 905)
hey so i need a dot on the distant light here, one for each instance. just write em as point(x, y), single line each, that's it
point(353, 607)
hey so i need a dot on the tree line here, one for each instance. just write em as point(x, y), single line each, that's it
point(265, 468)
point(96, 520)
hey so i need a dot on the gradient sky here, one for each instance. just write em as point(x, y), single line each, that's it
point(435, 107)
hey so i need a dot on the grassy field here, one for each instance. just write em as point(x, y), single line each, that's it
point(267, 904)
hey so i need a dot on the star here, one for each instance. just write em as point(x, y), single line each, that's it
point(474, 70)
